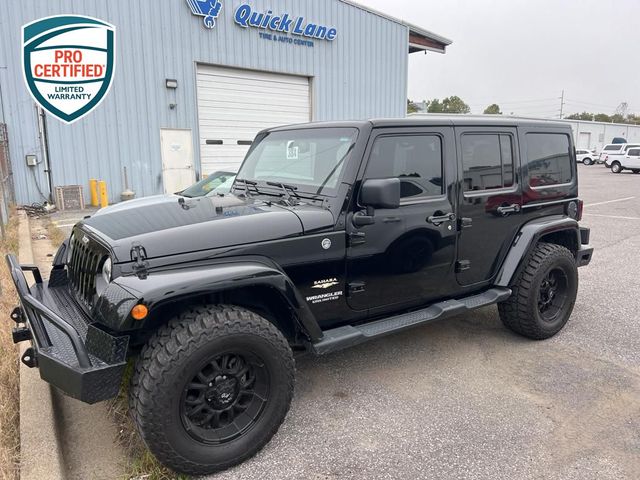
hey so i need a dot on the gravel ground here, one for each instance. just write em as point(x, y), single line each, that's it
point(466, 399)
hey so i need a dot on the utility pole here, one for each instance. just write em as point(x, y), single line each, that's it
point(562, 105)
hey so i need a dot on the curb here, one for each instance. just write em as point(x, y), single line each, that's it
point(40, 452)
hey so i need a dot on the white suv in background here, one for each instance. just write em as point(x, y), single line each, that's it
point(586, 156)
point(611, 157)
point(629, 161)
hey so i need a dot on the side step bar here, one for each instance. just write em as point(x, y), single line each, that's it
point(349, 336)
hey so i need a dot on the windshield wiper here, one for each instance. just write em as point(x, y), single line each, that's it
point(247, 186)
point(286, 188)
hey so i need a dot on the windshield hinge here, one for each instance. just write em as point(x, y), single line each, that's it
point(139, 256)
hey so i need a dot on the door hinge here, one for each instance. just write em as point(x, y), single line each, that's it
point(463, 266)
point(465, 223)
point(356, 287)
point(357, 238)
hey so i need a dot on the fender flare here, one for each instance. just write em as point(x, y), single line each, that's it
point(526, 240)
point(167, 286)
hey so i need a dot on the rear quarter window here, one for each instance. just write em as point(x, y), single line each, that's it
point(549, 159)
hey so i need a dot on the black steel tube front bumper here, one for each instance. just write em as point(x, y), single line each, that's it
point(86, 363)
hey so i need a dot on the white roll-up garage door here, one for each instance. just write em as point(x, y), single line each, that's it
point(234, 105)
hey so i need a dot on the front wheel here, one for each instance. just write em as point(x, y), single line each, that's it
point(587, 161)
point(211, 388)
point(616, 167)
point(543, 294)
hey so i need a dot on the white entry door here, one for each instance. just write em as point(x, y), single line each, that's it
point(178, 171)
point(234, 105)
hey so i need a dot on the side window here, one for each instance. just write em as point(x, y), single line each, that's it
point(487, 160)
point(634, 152)
point(415, 159)
point(549, 159)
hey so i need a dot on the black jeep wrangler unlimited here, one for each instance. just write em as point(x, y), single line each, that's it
point(333, 234)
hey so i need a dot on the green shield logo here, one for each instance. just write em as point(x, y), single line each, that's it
point(68, 63)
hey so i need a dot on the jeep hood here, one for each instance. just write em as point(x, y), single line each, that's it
point(170, 225)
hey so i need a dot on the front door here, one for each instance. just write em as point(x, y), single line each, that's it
point(490, 200)
point(177, 159)
point(406, 257)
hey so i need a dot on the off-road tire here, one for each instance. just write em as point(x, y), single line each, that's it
point(176, 351)
point(616, 167)
point(520, 313)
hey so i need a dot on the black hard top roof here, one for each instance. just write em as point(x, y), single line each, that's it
point(438, 120)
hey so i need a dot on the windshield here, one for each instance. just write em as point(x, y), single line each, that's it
point(311, 159)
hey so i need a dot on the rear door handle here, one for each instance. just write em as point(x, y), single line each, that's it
point(438, 220)
point(506, 210)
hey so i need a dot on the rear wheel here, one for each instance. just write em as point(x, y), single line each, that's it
point(211, 388)
point(543, 294)
point(587, 161)
point(616, 167)
point(636, 171)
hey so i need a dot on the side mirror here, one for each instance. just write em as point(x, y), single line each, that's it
point(381, 193)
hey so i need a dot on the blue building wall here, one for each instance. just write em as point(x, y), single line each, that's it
point(362, 74)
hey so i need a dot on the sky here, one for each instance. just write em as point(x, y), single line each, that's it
point(521, 54)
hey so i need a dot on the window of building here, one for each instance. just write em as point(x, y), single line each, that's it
point(549, 159)
point(487, 160)
point(415, 159)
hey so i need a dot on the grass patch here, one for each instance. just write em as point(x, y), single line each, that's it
point(9, 364)
point(56, 236)
point(142, 465)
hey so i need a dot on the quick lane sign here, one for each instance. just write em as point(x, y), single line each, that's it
point(246, 17)
point(68, 63)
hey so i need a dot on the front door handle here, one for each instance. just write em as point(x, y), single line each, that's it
point(438, 220)
point(507, 209)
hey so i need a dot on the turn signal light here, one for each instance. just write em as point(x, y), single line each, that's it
point(139, 312)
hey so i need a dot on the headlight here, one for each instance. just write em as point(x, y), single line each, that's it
point(106, 270)
point(70, 249)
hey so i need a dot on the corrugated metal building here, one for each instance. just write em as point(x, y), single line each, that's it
point(187, 99)
point(595, 135)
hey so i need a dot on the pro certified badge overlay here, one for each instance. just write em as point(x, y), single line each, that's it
point(68, 63)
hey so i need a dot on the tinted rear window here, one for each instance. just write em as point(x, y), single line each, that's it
point(609, 148)
point(549, 159)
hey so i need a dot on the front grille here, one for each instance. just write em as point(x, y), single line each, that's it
point(83, 267)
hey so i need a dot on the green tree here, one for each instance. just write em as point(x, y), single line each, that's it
point(493, 109)
point(412, 107)
point(435, 106)
point(618, 118)
point(455, 104)
point(602, 117)
point(581, 116)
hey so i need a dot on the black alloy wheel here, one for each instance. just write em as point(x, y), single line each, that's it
point(225, 397)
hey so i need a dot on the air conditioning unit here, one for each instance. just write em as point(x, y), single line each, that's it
point(69, 197)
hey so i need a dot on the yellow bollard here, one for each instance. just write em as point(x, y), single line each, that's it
point(93, 188)
point(104, 199)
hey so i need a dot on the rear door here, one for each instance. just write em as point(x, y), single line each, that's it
point(489, 202)
point(406, 257)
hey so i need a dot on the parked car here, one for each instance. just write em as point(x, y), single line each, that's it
point(629, 161)
point(616, 156)
point(332, 235)
point(610, 148)
point(217, 183)
point(585, 156)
